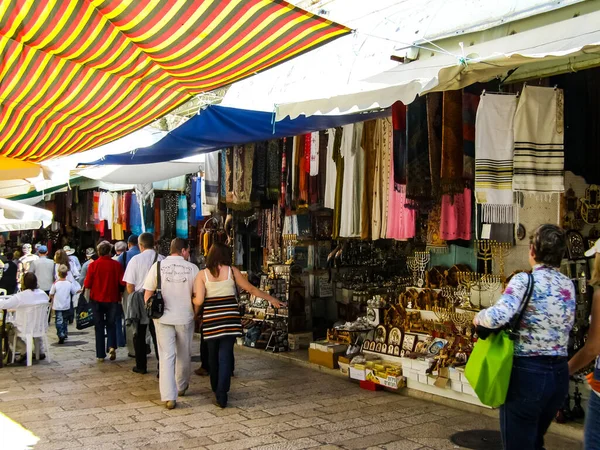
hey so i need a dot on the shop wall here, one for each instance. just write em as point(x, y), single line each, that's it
point(455, 255)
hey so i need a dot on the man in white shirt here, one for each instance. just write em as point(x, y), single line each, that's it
point(43, 269)
point(30, 295)
point(135, 275)
point(25, 261)
point(175, 329)
point(74, 260)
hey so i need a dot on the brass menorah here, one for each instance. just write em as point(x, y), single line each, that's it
point(500, 251)
point(489, 284)
point(462, 320)
point(483, 251)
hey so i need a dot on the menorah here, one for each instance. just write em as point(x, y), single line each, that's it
point(462, 320)
point(500, 251)
point(466, 281)
point(483, 251)
point(442, 314)
point(417, 264)
point(490, 284)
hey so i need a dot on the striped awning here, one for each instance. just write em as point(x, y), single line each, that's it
point(77, 74)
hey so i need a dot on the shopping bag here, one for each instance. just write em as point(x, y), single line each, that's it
point(85, 315)
point(489, 367)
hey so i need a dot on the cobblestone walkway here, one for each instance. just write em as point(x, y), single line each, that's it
point(75, 402)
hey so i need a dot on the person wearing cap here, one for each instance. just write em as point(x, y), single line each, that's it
point(587, 354)
point(43, 268)
point(120, 247)
point(25, 261)
point(75, 264)
point(90, 257)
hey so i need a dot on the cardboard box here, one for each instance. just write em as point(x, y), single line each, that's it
point(383, 379)
point(467, 389)
point(422, 378)
point(299, 340)
point(344, 367)
point(328, 347)
point(456, 386)
point(406, 363)
point(455, 374)
point(357, 374)
point(325, 359)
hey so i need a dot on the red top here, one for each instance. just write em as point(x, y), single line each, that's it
point(104, 276)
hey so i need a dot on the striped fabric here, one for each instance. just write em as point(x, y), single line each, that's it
point(76, 74)
point(539, 141)
point(221, 317)
point(494, 144)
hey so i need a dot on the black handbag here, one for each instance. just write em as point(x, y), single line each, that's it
point(85, 314)
point(155, 306)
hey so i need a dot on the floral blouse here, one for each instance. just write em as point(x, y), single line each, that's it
point(548, 319)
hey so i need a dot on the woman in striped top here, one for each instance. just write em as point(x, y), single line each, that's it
point(221, 321)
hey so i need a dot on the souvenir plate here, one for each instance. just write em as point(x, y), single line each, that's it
point(395, 337)
point(380, 334)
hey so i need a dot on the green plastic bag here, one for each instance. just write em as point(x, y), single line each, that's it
point(489, 367)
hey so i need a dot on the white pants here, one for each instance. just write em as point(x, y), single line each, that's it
point(175, 355)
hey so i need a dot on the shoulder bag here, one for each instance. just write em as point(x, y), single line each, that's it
point(155, 306)
point(490, 365)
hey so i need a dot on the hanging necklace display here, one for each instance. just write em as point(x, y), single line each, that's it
point(590, 205)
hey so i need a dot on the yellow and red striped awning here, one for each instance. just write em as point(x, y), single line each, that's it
point(77, 74)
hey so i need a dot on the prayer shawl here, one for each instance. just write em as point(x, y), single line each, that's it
point(539, 141)
point(418, 173)
point(470, 103)
point(211, 178)
point(452, 143)
point(399, 149)
point(494, 142)
point(434, 134)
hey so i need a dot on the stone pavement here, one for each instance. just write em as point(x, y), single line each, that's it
point(75, 402)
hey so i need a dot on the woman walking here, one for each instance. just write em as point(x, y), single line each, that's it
point(586, 355)
point(216, 291)
point(539, 381)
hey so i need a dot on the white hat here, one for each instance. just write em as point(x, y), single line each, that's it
point(595, 249)
point(68, 250)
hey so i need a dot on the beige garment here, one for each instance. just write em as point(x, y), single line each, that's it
point(382, 143)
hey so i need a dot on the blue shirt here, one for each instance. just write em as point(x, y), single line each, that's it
point(130, 254)
point(549, 317)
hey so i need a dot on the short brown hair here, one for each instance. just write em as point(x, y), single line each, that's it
point(178, 244)
point(549, 244)
point(218, 255)
point(29, 281)
point(104, 248)
point(63, 271)
point(61, 257)
point(146, 240)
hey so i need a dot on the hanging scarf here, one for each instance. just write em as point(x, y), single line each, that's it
point(303, 158)
point(211, 178)
point(418, 172)
point(274, 161)
point(383, 159)
point(370, 154)
point(452, 144)
point(171, 206)
point(157, 224)
point(339, 181)
point(243, 162)
point(434, 134)
point(456, 216)
point(182, 218)
point(229, 174)
point(434, 241)
point(470, 103)
point(539, 141)
point(494, 140)
point(223, 174)
point(314, 153)
point(259, 172)
point(399, 150)
point(322, 176)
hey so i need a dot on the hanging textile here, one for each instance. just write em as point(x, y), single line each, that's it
point(331, 172)
point(456, 216)
point(539, 145)
point(494, 142)
point(302, 172)
point(182, 217)
point(323, 144)
point(211, 178)
point(418, 172)
point(435, 243)
point(171, 207)
point(240, 172)
point(223, 174)
point(354, 180)
point(135, 217)
point(285, 162)
point(452, 143)
point(196, 201)
point(470, 103)
point(125, 211)
point(383, 166)
point(259, 172)
point(157, 220)
point(368, 147)
point(339, 181)
point(314, 153)
point(399, 123)
point(163, 217)
point(434, 137)
point(274, 161)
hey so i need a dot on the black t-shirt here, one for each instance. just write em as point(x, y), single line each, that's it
point(9, 277)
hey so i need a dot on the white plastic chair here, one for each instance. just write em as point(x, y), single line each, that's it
point(34, 324)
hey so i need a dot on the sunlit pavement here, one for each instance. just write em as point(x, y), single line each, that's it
point(75, 402)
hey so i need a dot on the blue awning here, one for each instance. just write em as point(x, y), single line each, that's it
point(218, 127)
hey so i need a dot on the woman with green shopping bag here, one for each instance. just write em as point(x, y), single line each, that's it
point(539, 380)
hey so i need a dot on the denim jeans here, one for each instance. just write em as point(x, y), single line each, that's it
point(61, 320)
point(592, 423)
point(538, 388)
point(121, 342)
point(104, 319)
point(220, 355)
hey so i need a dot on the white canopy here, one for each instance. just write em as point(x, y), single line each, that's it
point(15, 216)
point(556, 48)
